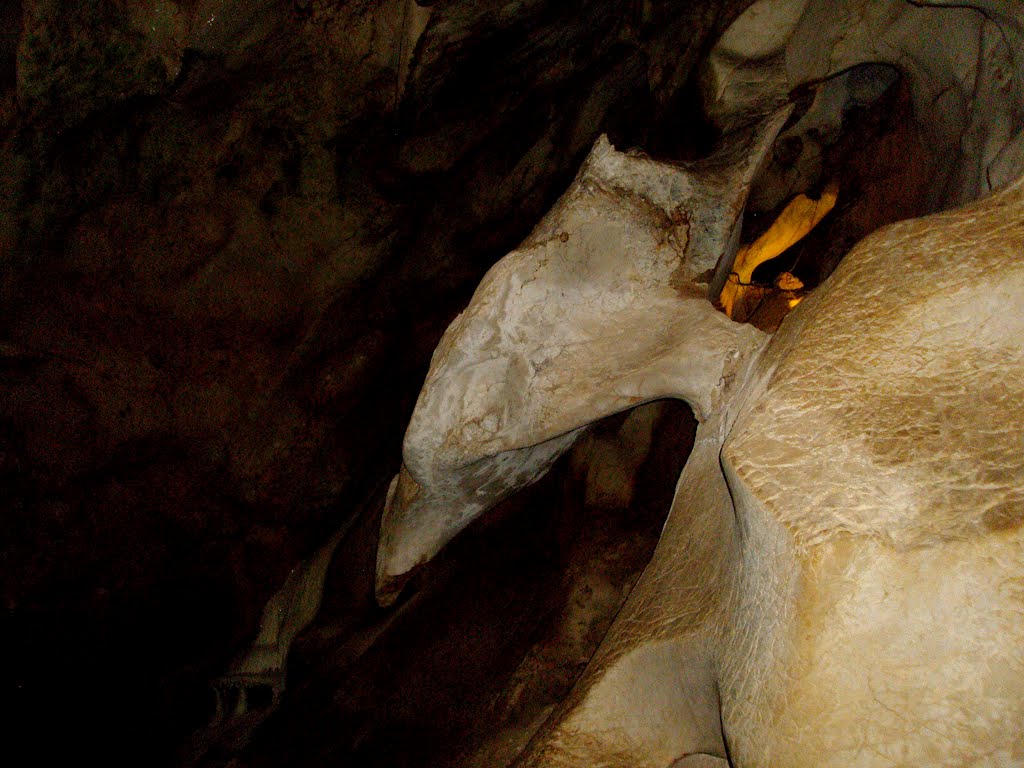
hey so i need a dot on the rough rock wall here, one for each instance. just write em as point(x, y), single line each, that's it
point(230, 235)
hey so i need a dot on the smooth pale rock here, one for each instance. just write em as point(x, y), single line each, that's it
point(839, 580)
point(590, 316)
point(850, 584)
point(744, 73)
point(649, 696)
point(819, 127)
point(286, 614)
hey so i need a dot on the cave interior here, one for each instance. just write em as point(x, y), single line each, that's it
point(232, 233)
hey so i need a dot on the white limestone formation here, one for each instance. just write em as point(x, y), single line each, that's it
point(627, 254)
point(840, 581)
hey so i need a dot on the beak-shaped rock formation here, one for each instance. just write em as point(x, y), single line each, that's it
point(601, 309)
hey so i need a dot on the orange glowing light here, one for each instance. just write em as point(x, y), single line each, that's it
point(796, 220)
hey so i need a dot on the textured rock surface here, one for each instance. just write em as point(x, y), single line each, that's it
point(840, 583)
point(898, 579)
point(230, 234)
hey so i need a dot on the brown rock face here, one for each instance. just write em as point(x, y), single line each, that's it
point(230, 235)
